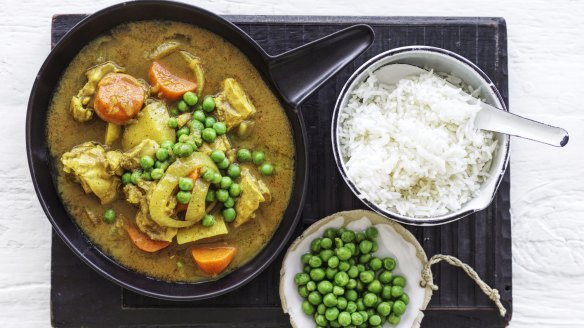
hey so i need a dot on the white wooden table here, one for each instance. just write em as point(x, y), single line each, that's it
point(546, 65)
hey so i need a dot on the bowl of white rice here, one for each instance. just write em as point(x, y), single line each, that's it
point(409, 150)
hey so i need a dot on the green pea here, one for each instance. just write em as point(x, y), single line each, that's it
point(371, 233)
point(210, 196)
point(182, 106)
point(351, 284)
point(405, 298)
point(344, 319)
point(302, 291)
point(330, 273)
point(351, 307)
point(369, 299)
point(320, 320)
point(341, 303)
point(185, 184)
point(208, 220)
point(146, 176)
point(234, 170)
point(375, 320)
point(356, 318)
point(208, 104)
point(208, 175)
point(185, 150)
point(375, 264)
point(399, 281)
point(315, 262)
point(326, 254)
point(374, 286)
point(266, 169)
point(314, 298)
point(366, 276)
point(229, 214)
point(365, 246)
point(225, 183)
point(258, 157)
point(363, 314)
point(334, 324)
point(162, 154)
point(365, 258)
point(348, 236)
point(183, 131)
point(217, 155)
point(234, 190)
point(311, 285)
point(157, 174)
point(172, 123)
point(190, 98)
point(321, 309)
point(315, 245)
point(360, 305)
point(324, 287)
point(359, 237)
point(216, 178)
point(351, 295)
point(330, 233)
point(326, 243)
point(341, 279)
point(146, 162)
point(209, 122)
point(209, 135)
point(162, 165)
point(338, 242)
point(360, 267)
point(136, 175)
point(223, 164)
point(222, 195)
point(374, 246)
point(360, 286)
point(386, 292)
point(243, 155)
point(183, 197)
point(307, 308)
point(109, 215)
point(343, 253)
point(394, 319)
point(167, 144)
point(344, 266)
point(230, 202)
point(399, 307)
point(385, 277)
point(305, 258)
point(126, 178)
point(337, 290)
point(317, 274)
point(397, 291)
point(389, 263)
point(329, 300)
point(220, 128)
point(333, 262)
point(197, 125)
point(353, 272)
point(331, 314)
point(199, 115)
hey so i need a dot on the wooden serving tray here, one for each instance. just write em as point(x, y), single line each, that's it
point(80, 297)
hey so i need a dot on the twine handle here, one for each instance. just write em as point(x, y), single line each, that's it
point(492, 293)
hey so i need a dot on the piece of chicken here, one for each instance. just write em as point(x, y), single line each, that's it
point(233, 104)
point(131, 159)
point(79, 105)
point(90, 166)
point(253, 192)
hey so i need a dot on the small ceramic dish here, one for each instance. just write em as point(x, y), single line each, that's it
point(393, 240)
point(443, 61)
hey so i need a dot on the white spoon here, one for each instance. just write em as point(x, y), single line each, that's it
point(488, 118)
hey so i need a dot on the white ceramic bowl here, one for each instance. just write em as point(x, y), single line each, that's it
point(441, 61)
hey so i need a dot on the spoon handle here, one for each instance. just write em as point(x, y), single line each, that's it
point(493, 119)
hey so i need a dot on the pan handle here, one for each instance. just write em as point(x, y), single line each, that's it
point(301, 71)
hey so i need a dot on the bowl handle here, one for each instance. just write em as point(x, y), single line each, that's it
point(301, 71)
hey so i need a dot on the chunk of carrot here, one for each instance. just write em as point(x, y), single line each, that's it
point(119, 98)
point(213, 260)
point(172, 87)
point(143, 242)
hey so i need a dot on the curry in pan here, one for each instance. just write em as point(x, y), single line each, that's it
point(170, 151)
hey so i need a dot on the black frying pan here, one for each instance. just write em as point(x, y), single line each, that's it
point(293, 76)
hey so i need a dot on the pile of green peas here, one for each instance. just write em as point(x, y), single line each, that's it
point(257, 157)
point(344, 284)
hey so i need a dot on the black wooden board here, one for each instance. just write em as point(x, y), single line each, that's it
point(80, 297)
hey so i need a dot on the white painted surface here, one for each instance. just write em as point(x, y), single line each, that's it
point(546, 63)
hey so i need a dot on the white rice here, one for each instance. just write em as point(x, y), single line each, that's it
point(412, 148)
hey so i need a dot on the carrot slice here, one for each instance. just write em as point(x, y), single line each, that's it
point(119, 98)
point(213, 260)
point(169, 85)
point(194, 175)
point(143, 242)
